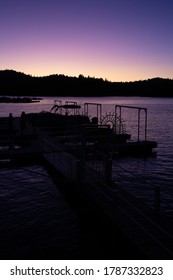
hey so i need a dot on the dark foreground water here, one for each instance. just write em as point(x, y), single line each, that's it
point(36, 221)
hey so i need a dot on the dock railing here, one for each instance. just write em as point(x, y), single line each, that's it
point(78, 168)
point(139, 110)
point(110, 200)
point(95, 109)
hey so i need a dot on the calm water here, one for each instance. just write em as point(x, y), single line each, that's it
point(25, 195)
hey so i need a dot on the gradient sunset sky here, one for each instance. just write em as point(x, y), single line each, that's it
point(118, 40)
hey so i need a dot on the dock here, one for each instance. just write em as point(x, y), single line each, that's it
point(122, 210)
point(68, 149)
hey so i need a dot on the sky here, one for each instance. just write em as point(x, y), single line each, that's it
point(117, 40)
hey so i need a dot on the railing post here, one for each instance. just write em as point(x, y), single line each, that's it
point(139, 113)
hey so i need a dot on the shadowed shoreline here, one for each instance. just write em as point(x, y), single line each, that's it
point(14, 83)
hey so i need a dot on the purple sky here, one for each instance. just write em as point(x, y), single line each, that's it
point(122, 40)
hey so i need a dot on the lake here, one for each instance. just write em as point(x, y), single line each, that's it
point(137, 175)
point(156, 170)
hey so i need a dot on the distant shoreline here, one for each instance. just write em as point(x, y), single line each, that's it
point(5, 99)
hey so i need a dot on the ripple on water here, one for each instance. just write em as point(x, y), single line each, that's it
point(36, 221)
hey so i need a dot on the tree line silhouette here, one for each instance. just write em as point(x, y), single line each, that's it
point(19, 84)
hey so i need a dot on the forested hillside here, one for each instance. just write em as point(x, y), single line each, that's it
point(19, 84)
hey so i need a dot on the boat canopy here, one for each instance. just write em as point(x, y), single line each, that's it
point(66, 106)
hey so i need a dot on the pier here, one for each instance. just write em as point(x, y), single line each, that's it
point(81, 151)
point(122, 210)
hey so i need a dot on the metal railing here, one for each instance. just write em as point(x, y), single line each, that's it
point(139, 110)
